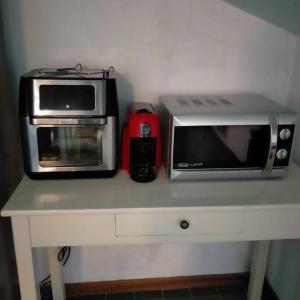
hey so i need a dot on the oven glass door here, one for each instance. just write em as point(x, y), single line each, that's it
point(70, 146)
point(221, 147)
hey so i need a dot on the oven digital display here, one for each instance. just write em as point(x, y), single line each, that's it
point(67, 97)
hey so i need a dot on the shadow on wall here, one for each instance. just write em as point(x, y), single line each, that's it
point(125, 96)
point(14, 44)
point(296, 145)
point(283, 270)
point(10, 157)
point(12, 66)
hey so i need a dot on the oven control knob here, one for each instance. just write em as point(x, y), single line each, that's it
point(284, 133)
point(281, 154)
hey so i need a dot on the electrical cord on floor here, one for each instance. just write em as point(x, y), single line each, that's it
point(62, 256)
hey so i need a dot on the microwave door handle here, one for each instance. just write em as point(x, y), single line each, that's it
point(273, 119)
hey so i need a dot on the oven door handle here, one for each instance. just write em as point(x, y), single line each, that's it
point(273, 120)
point(68, 121)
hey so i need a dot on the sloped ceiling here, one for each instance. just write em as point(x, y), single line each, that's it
point(283, 13)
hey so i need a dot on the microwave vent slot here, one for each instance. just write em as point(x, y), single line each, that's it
point(211, 102)
point(197, 102)
point(183, 102)
point(225, 101)
point(203, 101)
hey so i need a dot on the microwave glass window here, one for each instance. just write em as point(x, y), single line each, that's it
point(219, 147)
point(69, 146)
point(67, 97)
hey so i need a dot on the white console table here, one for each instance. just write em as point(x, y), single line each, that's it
point(56, 213)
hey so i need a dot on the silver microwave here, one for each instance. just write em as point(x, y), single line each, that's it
point(229, 136)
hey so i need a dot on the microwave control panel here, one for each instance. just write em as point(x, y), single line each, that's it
point(284, 145)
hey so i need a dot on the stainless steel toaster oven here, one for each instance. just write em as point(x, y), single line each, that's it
point(69, 123)
point(231, 136)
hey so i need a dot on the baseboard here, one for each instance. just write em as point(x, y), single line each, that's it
point(163, 283)
point(150, 284)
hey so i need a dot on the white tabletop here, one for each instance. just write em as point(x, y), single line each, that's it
point(120, 193)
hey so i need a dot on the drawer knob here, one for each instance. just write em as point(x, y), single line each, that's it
point(184, 224)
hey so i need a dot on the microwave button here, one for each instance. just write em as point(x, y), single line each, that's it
point(281, 154)
point(284, 134)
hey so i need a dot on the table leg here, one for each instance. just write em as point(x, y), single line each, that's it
point(258, 269)
point(29, 286)
point(55, 267)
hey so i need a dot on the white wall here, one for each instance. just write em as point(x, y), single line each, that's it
point(157, 47)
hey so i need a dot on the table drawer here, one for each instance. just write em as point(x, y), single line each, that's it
point(65, 230)
point(199, 223)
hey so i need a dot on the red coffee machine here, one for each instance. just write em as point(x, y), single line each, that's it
point(141, 144)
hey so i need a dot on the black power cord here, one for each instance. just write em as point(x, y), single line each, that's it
point(62, 256)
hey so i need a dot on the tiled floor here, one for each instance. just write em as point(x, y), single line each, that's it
point(214, 293)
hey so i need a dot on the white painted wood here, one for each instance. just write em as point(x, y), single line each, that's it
point(120, 194)
point(120, 211)
point(29, 286)
point(158, 239)
point(161, 226)
point(204, 222)
point(55, 267)
point(71, 230)
point(272, 223)
point(258, 269)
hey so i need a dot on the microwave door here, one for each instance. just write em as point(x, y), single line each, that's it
point(223, 147)
point(273, 145)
